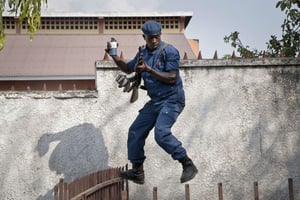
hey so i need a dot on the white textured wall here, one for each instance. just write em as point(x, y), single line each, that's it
point(240, 125)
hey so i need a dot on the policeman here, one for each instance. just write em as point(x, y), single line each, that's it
point(159, 70)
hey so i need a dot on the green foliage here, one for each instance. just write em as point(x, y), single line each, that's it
point(289, 44)
point(2, 35)
point(244, 51)
point(29, 10)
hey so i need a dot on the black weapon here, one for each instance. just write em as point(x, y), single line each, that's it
point(138, 78)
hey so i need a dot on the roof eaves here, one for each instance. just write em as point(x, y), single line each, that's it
point(45, 78)
point(187, 14)
point(118, 14)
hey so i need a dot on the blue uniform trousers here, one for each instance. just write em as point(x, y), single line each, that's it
point(160, 115)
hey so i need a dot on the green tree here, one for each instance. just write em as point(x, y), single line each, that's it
point(29, 10)
point(289, 44)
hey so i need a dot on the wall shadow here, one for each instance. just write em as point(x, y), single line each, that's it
point(79, 151)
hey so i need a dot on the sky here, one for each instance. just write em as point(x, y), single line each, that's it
point(212, 20)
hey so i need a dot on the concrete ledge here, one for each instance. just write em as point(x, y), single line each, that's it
point(251, 62)
point(223, 63)
point(49, 94)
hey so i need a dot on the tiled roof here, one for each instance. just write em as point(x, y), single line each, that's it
point(69, 55)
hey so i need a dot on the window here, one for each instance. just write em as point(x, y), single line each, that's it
point(67, 23)
point(135, 23)
point(9, 23)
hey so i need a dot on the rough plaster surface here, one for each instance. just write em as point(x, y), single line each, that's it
point(240, 125)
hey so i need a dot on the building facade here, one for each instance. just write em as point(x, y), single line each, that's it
point(62, 54)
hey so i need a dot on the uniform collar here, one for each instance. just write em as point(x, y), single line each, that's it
point(157, 49)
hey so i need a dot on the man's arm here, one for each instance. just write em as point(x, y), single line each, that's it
point(111, 49)
point(165, 77)
point(169, 77)
point(121, 64)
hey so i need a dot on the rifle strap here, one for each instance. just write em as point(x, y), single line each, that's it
point(162, 48)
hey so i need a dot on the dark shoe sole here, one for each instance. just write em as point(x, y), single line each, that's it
point(137, 182)
point(191, 177)
point(140, 182)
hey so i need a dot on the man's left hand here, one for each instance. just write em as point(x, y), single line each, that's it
point(142, 67)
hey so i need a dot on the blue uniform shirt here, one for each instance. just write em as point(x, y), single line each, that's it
point(166, 60)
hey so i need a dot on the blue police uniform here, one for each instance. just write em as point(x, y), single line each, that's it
point(161, 111)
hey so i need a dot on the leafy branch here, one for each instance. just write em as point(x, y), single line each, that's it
point(29, 10)
point(288, 45)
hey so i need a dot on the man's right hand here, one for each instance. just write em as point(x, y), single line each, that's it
point(112, 47)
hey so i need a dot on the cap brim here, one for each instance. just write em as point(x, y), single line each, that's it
point(156, 34)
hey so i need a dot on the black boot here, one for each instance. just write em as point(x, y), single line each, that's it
point(189, 169)
point(136, 174)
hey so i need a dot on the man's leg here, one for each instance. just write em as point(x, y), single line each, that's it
point(164, 137)
point(138, 132)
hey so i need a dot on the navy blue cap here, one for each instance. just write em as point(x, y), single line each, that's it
point(151, 28)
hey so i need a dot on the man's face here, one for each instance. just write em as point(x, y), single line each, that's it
point(152, 41)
